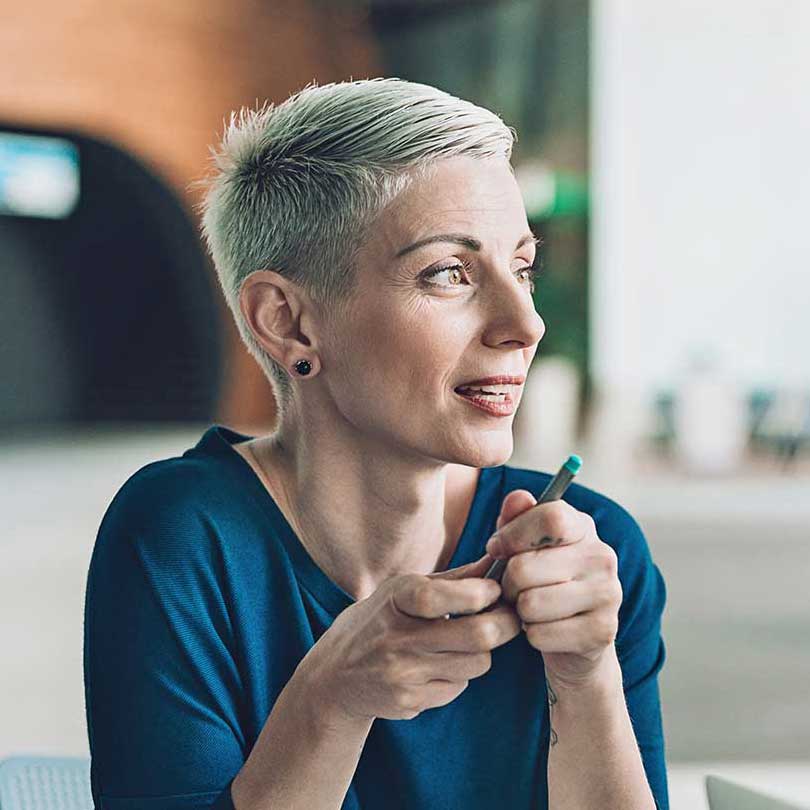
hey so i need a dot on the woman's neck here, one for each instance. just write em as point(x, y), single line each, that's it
point(363, 516)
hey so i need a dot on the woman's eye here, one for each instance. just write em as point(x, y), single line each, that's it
point(529, 274)
point(455, 274)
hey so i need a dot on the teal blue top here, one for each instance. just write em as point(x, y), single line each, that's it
point(201, 601)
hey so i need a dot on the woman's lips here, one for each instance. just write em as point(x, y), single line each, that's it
point(502, 406)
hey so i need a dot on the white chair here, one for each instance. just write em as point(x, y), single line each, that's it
point(45, 783)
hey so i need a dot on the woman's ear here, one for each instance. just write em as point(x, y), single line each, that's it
point(276, 311)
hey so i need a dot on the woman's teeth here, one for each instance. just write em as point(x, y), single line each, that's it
point(490, 392)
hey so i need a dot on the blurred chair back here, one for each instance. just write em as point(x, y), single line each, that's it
point(45, 783)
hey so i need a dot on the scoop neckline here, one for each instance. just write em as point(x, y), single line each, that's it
point(219, 440)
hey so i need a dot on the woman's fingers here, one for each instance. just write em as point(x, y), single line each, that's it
point(473, 569)
point(546, 525)
point(470, 634)
point(432, 597)
point(457, 666)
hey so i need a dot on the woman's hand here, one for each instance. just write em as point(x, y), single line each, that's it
point(393, 655)
point(563, 581)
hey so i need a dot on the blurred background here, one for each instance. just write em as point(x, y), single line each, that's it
point(662, 157)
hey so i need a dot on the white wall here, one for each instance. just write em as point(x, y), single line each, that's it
point(701, 191)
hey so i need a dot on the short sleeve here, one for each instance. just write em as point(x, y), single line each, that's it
point(161, 684)
point(639, 644)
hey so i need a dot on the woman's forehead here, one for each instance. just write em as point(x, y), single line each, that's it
point(471, 203)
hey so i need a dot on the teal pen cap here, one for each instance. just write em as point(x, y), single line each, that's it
point(573, 464)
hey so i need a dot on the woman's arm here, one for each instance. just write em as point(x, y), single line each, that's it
point(594, 760)
point(305, 756)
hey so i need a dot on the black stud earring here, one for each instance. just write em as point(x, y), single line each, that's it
point(303, 367)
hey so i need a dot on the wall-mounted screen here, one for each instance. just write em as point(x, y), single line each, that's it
point(39, 176)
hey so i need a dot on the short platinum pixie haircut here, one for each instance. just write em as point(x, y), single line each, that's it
point(295, 186)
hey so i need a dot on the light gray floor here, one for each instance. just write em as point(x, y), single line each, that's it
point(736, 684)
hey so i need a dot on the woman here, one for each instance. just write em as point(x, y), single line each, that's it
point(263, 613)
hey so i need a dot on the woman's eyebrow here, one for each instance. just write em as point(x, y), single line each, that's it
point(462, 239)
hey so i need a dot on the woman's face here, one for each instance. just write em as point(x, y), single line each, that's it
point(426, 319)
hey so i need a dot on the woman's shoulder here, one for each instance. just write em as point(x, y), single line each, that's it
point(177, 483)
point(167, 505)
point(188, 480)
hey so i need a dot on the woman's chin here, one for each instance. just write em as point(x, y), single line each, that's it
point(491, 450)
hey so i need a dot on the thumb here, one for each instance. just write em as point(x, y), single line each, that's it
point(473, 569)
point(515, 503)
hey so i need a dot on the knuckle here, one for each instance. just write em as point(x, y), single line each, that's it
point(490, 634)
point(485, 662)
point(388, 664)
point(610, 559)
point(424, 596)
point(556, 522)
point(525, 602)
point(612, 592)
point(396, 671)
point(534, 634)
point(405, 701)
point(618, 595)
point(607, 627)
point(493, 589)
point(483, 596)
point(517, 566)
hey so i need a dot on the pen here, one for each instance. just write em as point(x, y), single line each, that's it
point(553, 492)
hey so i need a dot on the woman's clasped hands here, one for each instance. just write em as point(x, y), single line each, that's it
point(394, 654)
point(562, 581)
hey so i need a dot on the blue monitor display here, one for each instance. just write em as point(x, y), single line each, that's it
point(39, 176)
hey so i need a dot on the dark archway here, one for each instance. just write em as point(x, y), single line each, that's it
point(108, 311)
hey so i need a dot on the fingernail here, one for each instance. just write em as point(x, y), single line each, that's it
point(494, 548)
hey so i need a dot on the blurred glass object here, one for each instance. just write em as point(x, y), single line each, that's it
point(777, 422)
point(39, 176)
point(784, 427)
point(546, 425)
point(711, 430)
point(663, 433)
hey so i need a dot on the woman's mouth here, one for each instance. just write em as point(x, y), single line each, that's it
point(496, 400)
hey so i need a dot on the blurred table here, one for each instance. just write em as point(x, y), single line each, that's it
point(785, 780)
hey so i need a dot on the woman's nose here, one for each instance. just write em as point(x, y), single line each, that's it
point(511, 316)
